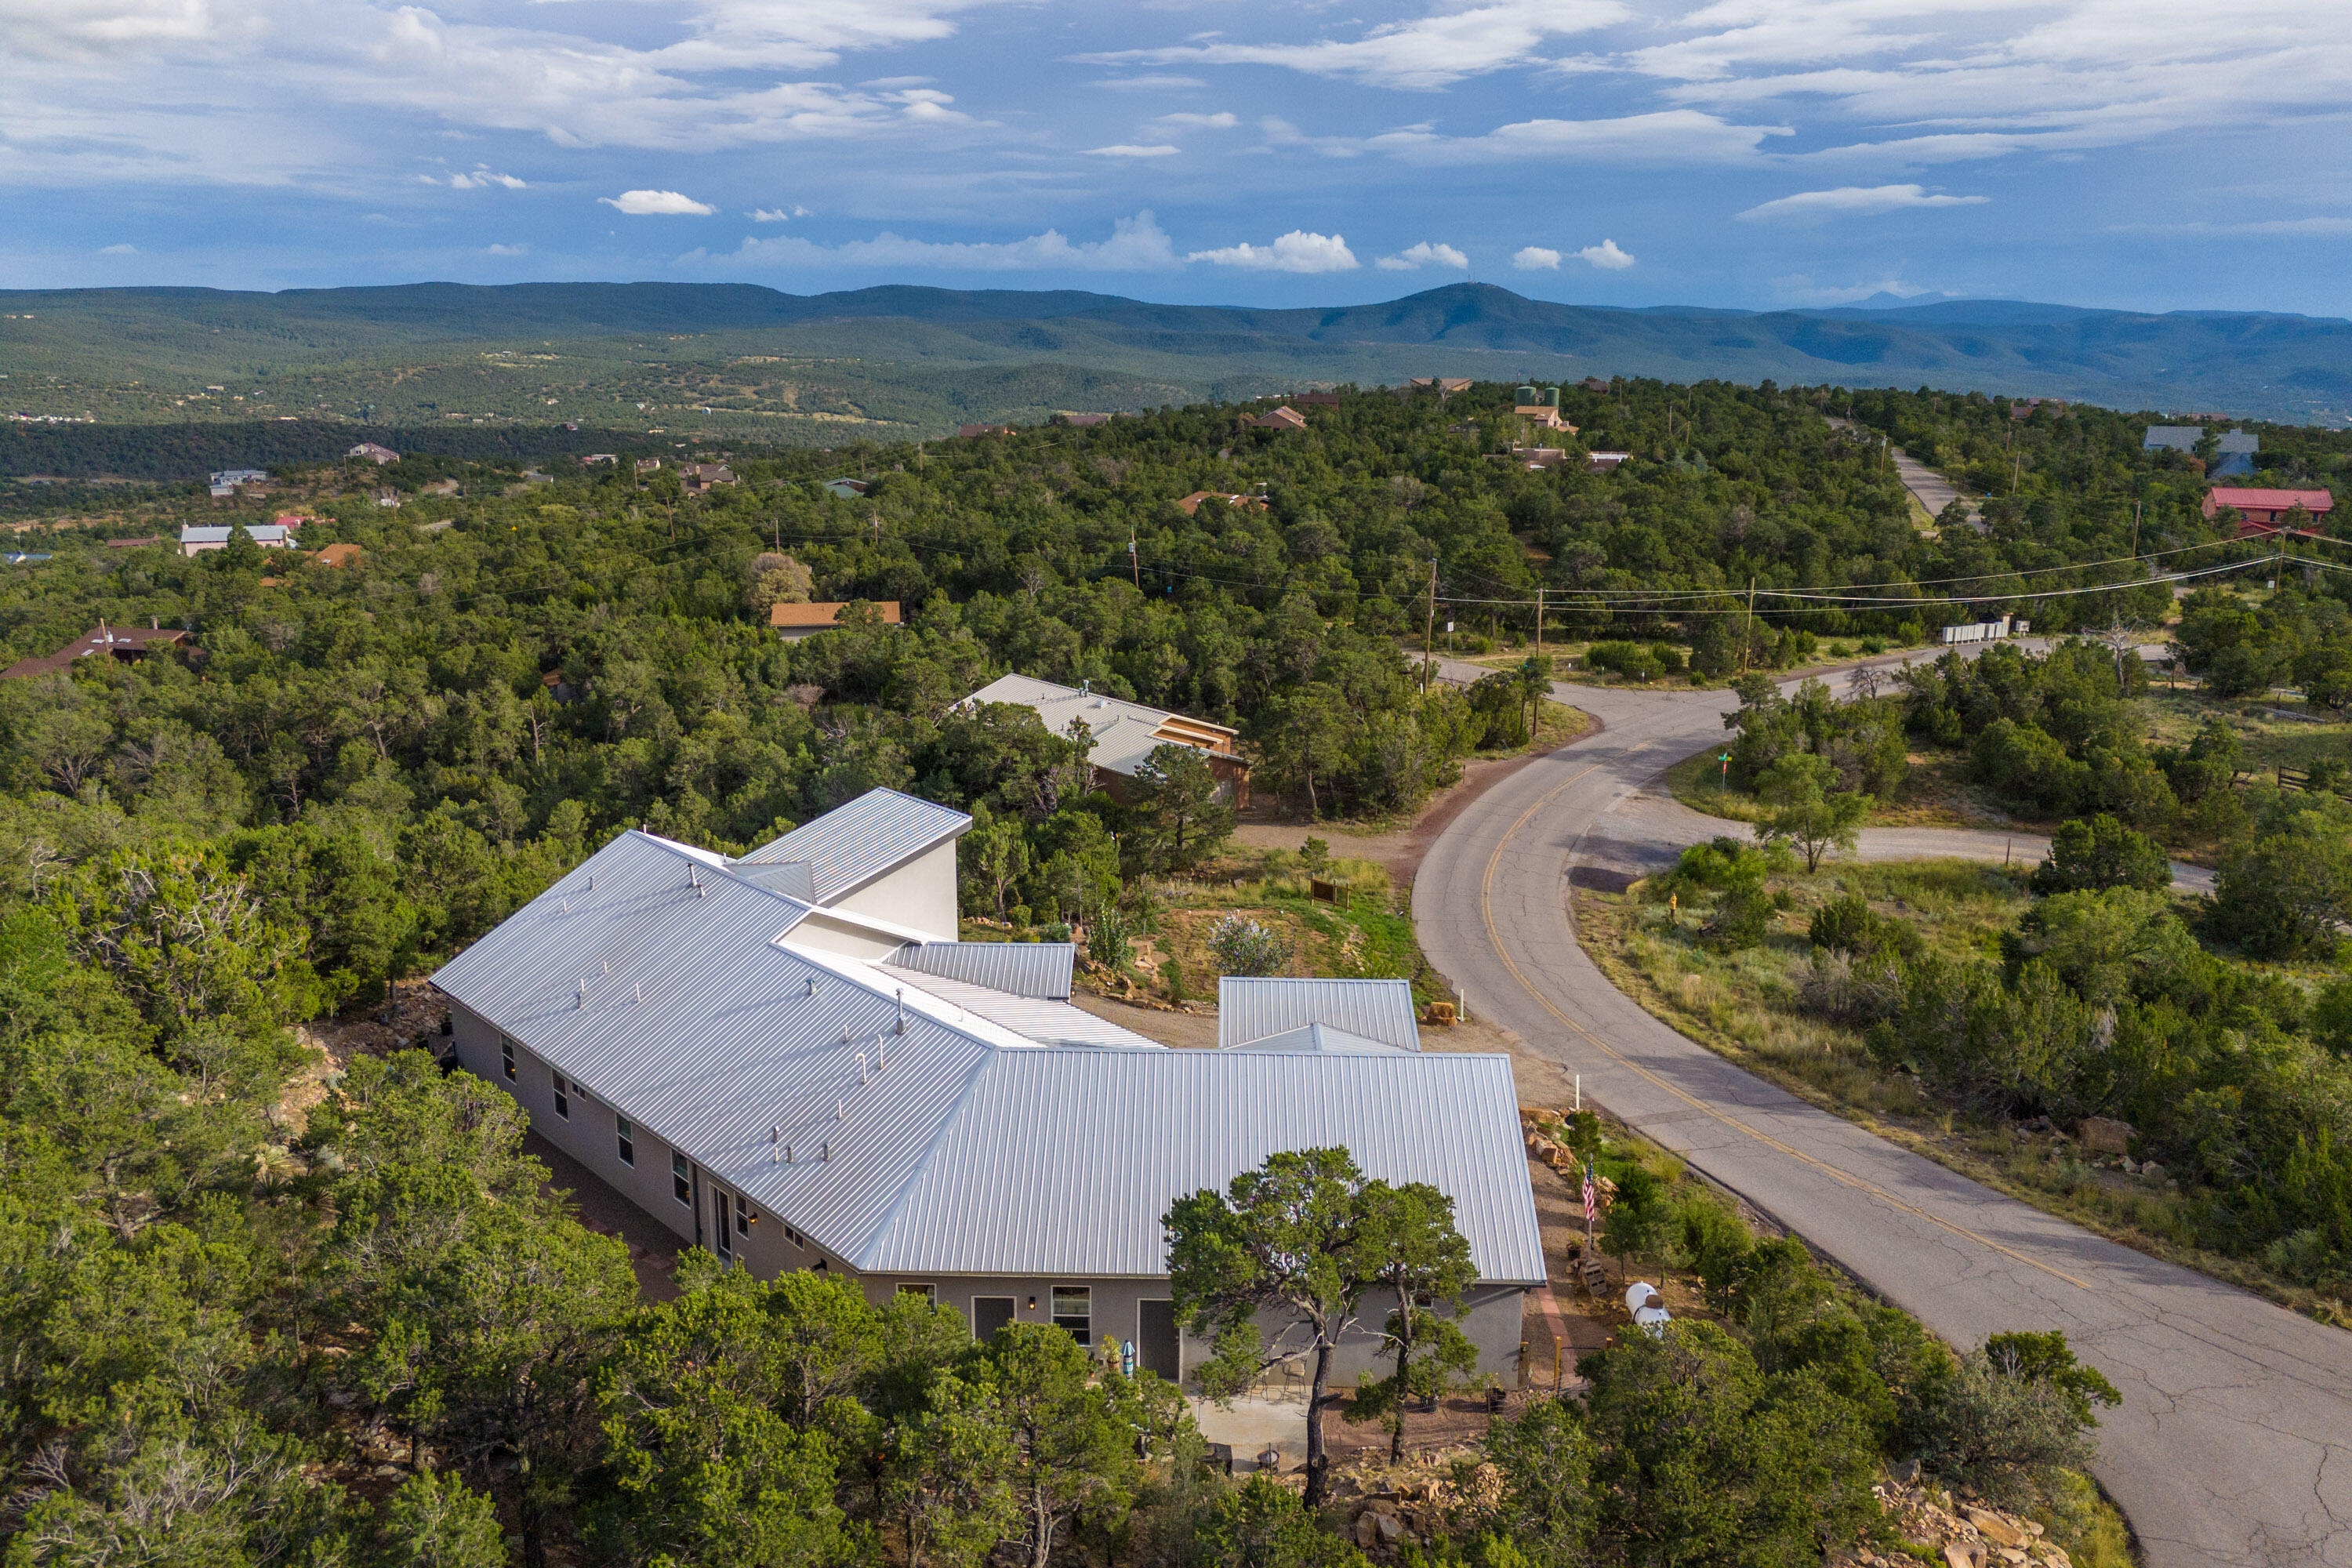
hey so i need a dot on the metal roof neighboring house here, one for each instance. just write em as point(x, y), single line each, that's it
point(805, 620)
point(1023, 968)
point(1125, 734)
point(2174, 437)
point(120, 642)
point(1251, 1008)
point(851, 844)
point(269, 535)
point(914, 1124)
point(2268, 505)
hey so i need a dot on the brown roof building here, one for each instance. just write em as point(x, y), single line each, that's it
point(968, 431)
point(337, 555)
point(1283, 418)
point(121, 642)
point(697, 476)
point(793, 622)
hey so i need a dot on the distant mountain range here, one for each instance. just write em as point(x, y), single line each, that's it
point(918, 358)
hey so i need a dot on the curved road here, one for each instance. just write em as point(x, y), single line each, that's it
point(2234, 1441)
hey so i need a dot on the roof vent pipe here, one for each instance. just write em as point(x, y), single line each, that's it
point(812, 984)
point(641, 989)
point(824, 1152)
point(840, 1110)
point(902, 1013)
point(582, 1000)
point(879, 1063)
point(862, 1079)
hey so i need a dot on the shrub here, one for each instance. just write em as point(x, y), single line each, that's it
point(1109, 942)
point(1843, 991)
point(1242, 946)
point(1850, 926)
point(2090, 854)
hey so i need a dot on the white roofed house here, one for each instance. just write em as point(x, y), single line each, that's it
point(1125, 734)
point(790, 1059)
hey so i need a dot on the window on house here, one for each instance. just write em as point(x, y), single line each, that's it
point(625, 1133)
point(796, 1238)
point(681, 1180)
point(1074, 1310)
point(562, 1098)
point(928, 1292)
point(723, 1233)
point(743, 1217)
point(506, 1058)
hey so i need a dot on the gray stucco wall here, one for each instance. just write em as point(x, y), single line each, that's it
point(1490, 1314)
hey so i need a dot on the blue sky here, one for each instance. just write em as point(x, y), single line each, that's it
point(2137, 154)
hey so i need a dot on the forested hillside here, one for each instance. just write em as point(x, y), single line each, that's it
point(257, 1314)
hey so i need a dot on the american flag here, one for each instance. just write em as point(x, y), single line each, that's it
point(1589, 1194)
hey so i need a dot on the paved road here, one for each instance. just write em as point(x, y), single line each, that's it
point(1933, 489)
point(1649, 827)
point(2234, 1442)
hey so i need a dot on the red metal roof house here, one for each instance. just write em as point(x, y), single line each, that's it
point(2265, 512)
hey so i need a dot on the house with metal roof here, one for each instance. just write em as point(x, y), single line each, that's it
point(789, 1058)
point(2172, 438)
point(1125, 734)
point(194, 541)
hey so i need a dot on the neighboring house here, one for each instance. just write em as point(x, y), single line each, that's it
point(290, 520)
point(1594, 383)
point(2173, 437)
point(699, 476)
point(125, 643)
point(1601, 462)
point(1533, 457)
point(1540, 406)
point(1082, 419)
point(2265, 512)
point(1125, 734)
point(793, 622)
point(789, 1060)
point(847, 489)
point(1191, 504)
point(388, 497)
point(1316, 399)
point(2234, 455)
point(1445, 385)
point(969, 431)
point(593, 459)
point(134, 544)
point(1283, 418)
point(648, 465)
point(224, 481)
point(2024, 409)
point(195, 541)
point(374, 453)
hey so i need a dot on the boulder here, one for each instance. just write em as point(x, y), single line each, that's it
point(1995, 1529)
point(2104, 1135)
point(1963, 1554)
point(2151, 1172)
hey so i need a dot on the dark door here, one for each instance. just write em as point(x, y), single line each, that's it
point(989, 1313)
point(1155, 1340)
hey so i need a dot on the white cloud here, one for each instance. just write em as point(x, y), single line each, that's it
point(1131, 150)
point(482, 177)
point(1223, 121)
point(776, 215)
point(118, 250)
point(1535, 258)
point(657, 203)
point(1669, 136)
point(509, 251)
point(1606, 255)
point(1425, 254)
point(1799, 288)
point(1857, 201)
point(1135, 244)
point(1429, 52)
point(1298, 251)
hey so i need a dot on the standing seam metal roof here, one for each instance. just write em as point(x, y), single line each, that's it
point(851, 844)
point(667, 991)
point(1251, 1007)
point(1023, 968)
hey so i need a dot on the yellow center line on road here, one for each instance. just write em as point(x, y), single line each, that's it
point(1487, 914)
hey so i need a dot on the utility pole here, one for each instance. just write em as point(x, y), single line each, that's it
point(1134, 561)
point(1539, 592)
point(2135, 506)
point(1428, 628)
point(1747, 643)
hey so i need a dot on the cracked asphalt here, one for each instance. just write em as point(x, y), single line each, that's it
point(2234, 1441)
